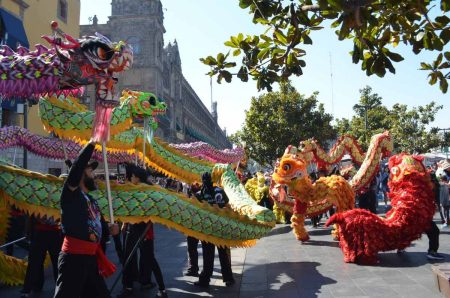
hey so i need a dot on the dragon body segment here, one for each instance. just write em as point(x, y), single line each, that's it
point(363, 234)
point(381, 146)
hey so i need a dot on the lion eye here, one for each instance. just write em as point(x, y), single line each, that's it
point(286, 167)
point(394, 170)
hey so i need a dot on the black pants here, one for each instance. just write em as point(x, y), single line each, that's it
point(433, 237)
point(149, 264)
point(368, 201)
point(16, 230)
point(147, 261)
point(78, 276)
point(41, 242)
point(192, 244)
point(209, 250)
point(266, 202)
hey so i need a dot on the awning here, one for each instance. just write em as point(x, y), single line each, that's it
point(14, 32)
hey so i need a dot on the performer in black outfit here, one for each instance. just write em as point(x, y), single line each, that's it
point(192, 243)
point(147, 261)
point(214, 195)
point(82, 261)
point(45, 235)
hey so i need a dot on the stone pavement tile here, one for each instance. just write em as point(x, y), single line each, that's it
point(253, 287)
point(379, 290)
point(341, 289)
point(287, 293)
point(368, 281)
point(322, 293)
point(415, 291)
point(254, 294)
point(402, 279)
point(254, 278)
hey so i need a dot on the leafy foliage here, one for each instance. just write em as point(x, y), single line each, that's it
point(278, 119)
point(375, 27)
point(408, 127)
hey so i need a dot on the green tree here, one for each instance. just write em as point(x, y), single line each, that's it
point(374, 26)
point(278, 119)
point(359, 126)
point(408, 127)
point(236, 138)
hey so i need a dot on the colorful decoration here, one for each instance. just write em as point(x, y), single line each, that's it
point(208, 152)
point(363, 234)
point(65, 68)
point(326, 191)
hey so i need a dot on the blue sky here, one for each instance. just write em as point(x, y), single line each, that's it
point(201, 26)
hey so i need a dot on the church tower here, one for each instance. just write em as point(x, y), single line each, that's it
point(157, 69)
point(140, 22)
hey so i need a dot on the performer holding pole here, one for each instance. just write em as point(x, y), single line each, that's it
point(82, 262)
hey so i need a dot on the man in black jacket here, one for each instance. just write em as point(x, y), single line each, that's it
point(82, 262)
point(214, 195)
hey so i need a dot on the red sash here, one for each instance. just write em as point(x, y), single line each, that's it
point(150, 235)
point(80, 247)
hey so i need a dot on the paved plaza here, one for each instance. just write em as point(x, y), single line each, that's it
point(280, 266)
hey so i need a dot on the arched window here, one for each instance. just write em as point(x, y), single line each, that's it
point(62, 10)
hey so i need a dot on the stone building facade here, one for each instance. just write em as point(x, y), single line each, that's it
point(157, 68)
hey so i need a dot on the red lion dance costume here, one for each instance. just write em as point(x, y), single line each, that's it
point(363, 234)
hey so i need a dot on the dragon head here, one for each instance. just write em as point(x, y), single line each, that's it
point(145, 104)
point(290, 167)
point(404, 165)
point(90, 60)
point(103, 54)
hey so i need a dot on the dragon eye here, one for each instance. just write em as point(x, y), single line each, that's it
point(101, 53)
point(152, 101)
point(286, 167)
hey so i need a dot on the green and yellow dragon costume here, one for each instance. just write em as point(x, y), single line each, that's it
point(240, 225)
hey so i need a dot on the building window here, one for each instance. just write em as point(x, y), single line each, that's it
point(62, 10)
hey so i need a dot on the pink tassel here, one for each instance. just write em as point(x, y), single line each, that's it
point(100, 131)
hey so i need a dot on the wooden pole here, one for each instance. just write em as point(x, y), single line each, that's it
point(108, 186)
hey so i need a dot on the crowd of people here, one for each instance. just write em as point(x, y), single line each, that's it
point(76, 244)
